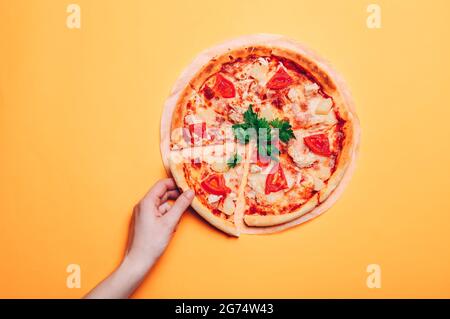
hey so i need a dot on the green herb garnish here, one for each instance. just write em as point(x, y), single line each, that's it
point(261, 129)
point(285, 129)
point(234, 160)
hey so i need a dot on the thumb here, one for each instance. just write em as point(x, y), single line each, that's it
point(179, 207)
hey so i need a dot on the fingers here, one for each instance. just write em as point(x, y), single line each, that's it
point(179, 207)
point(173, 194)
point(160, 188)
point(164, 208)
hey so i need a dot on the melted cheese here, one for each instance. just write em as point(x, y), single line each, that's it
point(269, 112)
point(177, 137)
point(295, 94)
point(329, 119)
point(255, 168)
point(274, 197)
point(259, 71)
point(322, 172)
point(318, 184)
point(319, 111)
point(290, 179)
point(299, 152)
point(192, 119)
point(311, 88)
point(206, 114)
point(229, 206)
point(301, 159)
point(324, 107)
point(220, 166)
point(213, 198)
point(231, 178)
point(263, 61)
point(257, 182)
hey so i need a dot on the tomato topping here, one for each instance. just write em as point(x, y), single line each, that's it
point(276, 180)
point(224, 87)
point(215, 184)
point(198, 129)
point(280, 80)
point(318, 144)
point(208, 92)
point(216, 212)
point(196, 163)
point(278, 102)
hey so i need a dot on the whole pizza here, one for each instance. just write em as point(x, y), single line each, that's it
point(264, 133)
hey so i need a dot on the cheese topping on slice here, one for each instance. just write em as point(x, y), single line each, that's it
point(324, 106)
point(229, 206)
point(213, 198)
point(220, 166)
point(192, 119)
point(259, 71)
point(257, 182)
point(290, 179)
point(274, 197)
point(206, 114)
point(318, 112)
point(269, 112)
point(311, 88)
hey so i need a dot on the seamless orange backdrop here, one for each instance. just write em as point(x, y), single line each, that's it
point(79, 145)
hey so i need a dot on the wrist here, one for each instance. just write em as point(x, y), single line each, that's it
point(134, 267)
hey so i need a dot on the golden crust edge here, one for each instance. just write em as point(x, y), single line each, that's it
point(273, 220)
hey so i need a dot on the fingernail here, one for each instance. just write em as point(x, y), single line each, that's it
point(189, 193)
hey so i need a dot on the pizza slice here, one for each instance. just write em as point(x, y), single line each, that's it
point(215, 173)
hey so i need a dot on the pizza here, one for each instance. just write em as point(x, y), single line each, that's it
point(263, 134)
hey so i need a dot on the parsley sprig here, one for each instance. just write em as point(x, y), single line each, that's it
point(255, 127)
point(234, 160)
point(285, 129)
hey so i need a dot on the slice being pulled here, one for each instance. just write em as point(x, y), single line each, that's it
point(215, 173)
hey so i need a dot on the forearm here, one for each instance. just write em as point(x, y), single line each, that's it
point(122, 282)
point(152, 227)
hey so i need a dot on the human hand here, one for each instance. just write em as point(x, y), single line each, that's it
point(152, 225)
point(154, 221)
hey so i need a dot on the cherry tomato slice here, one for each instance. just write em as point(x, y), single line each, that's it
point(215, 184)
point(280, 80)
point(276, 180)
point(224, 87)
point(318, 144)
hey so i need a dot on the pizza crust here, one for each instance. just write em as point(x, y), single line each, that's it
point(272, 220)
point(333, 85)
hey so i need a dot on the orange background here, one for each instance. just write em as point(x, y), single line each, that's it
point(79, 146)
